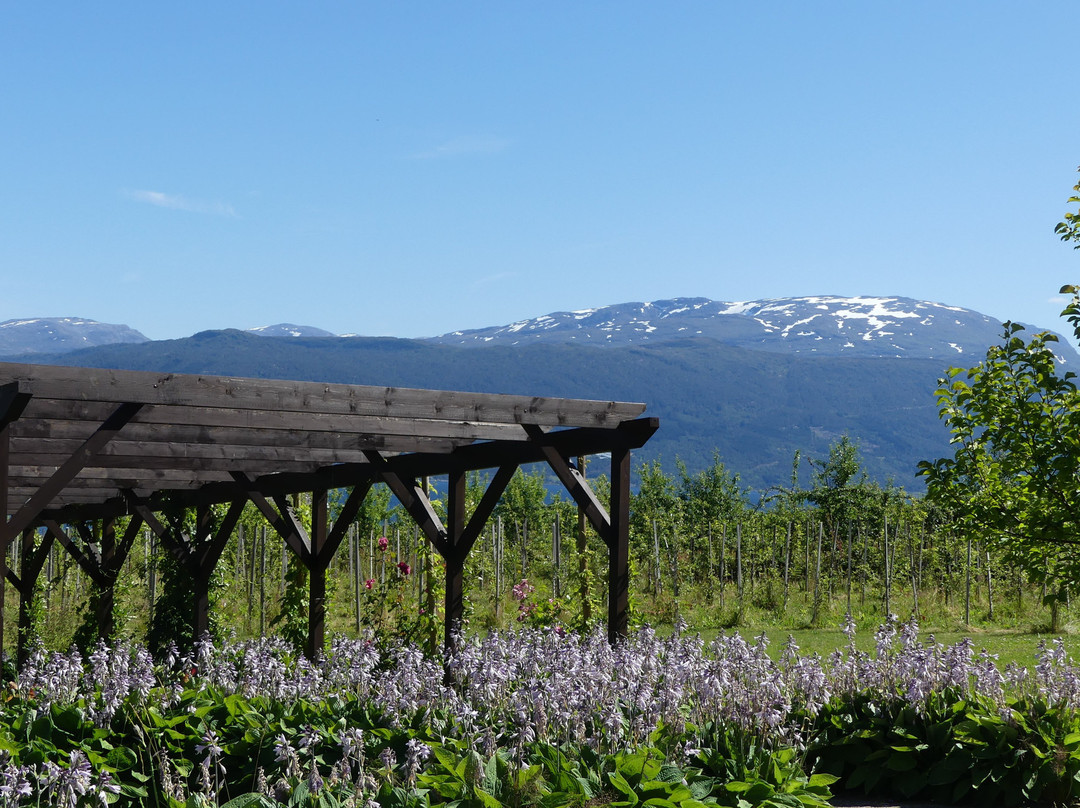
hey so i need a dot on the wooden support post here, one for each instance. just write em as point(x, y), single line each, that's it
point(583, 559)
point(13, 400)
point(619, 547)
point(5, 535)
point(106, 620)
point(27, 577)
point(32, 559)
point(200, 582)
point(454, 604)
point(316, 638)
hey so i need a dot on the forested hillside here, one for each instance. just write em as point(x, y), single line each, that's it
point(755, 408)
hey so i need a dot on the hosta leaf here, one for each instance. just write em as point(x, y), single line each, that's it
point(446, 788)
point(486, 800)
point(654, 788)
point(121, 757)
point(901, 762)
point(912, 784)
point(252, 800)
point(618, 782)
point(448, 763)
point(660, 802)
point(670, 774)
point(960, 789)
point(702, 787)
point(782, 801)
point(638, 767)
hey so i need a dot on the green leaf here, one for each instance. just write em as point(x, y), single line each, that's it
point(619, 783)
point(252, 800)
point(486, 800)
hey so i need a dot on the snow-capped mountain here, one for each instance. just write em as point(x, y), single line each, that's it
point(289, 330)
point(53, 335)
point(823, 325)
point(879, 327)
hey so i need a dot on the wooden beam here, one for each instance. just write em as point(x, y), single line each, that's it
point(182, 435)
point(96, 384)
point(95, 476)
point(211, 550)
point(86, 533)
point(222, 417)
point(29, 450)
point(74, 504)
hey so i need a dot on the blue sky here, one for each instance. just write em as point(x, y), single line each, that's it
point(409, 169)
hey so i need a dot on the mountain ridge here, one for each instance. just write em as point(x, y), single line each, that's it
point(876, 326)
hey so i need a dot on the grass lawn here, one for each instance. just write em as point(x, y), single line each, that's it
point(1008, 645)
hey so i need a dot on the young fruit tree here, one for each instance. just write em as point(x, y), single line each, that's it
point(1015, 474)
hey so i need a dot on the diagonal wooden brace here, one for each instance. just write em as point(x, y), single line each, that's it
point(40, 499)
point(179, 547)
point(572, 480)
point(483, 510)
point(415, 501)
point(87, 563)
point(281, 518)
point(211, 549)
point(345, 518)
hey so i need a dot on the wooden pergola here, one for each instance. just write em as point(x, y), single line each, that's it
point(80, 448)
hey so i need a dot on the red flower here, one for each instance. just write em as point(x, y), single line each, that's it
point(383, 542)
point(370, 583)
point(404, 568)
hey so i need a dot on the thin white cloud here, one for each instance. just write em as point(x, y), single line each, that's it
point(178, 202)
point(467, 144)
point(498, 277)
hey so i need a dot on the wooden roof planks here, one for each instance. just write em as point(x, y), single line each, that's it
point(73, 440)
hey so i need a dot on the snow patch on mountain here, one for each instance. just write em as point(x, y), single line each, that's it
point(24, 337)
point(289, 330)
point(825, 325)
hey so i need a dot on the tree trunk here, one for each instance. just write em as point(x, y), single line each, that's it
point(967, 588)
